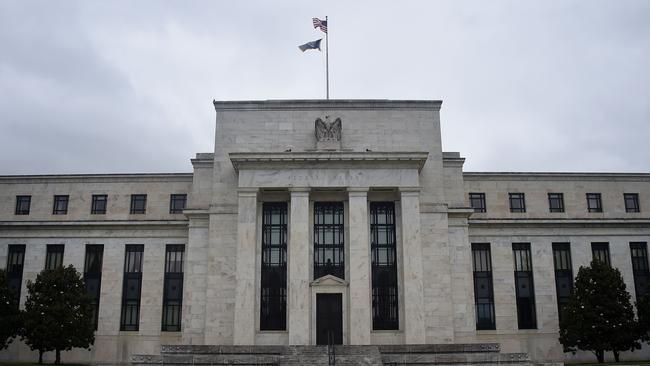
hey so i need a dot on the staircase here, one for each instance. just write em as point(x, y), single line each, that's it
point(483, 354)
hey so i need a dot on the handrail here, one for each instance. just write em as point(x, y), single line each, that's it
point(331, 351)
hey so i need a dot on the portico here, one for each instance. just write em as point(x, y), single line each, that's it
point(304, 180)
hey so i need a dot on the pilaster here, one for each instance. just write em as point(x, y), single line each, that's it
point(359, 264)
point(414, 329)
point(244, 332)
point(299, 261)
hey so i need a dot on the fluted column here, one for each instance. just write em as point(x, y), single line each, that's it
point(360, 301)
point(244, 332)
point(414, 330)
point(299, 261)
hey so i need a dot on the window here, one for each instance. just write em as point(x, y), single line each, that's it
point(477, 202)
point(329, 255)
point(594, 203)
point(639, 251)
point(22, 205)
point(173, 290)
point(132, 287)
point(273, 309)
point(631, 202)
point(600, 251)
point(177, 203)
point(60, 205)
point(385, 314)
point(517, 202)
point(54, 256)
point(483, 288)
point(563, 275)
point(15, 264)
point(98, 206)
point(93, 276)
point(556, 202)
point(525, 289)
point(138, 203)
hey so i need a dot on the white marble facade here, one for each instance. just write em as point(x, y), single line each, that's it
point(267, 151)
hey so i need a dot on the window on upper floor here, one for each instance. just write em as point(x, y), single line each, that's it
point(138, 203)
point(60, 206)
point(594, 202)
point(556, 202)
point(600, 251)
point(22, 205)
point(517, 202)
point(98, 205)
point(477, 202)
point(177, 203)
point(54, 256)
point(631, 202)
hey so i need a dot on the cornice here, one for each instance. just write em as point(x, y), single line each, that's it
point(320, 104)
point(642, 223)
point(567, 176)
point(93, 223)
point(247, 160)
point(96, 178)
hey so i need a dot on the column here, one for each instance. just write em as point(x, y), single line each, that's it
point(299, 262)
point(244, 332)
point(360, 300)
point(414, 329)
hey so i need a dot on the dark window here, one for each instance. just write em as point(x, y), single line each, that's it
point(173, 290)
point(524, 286)
point(563, 275)
point(132, 287)
point(93, 276)
point(138, 203)
point(329, 255)
point(22, 205)
point(556, 202)
point(594, 202)
point(273, 309)
point(517, 202)
point(600, 251)
point(631, 202)
point(60, 205)
point(54, 256)
point(385, 314)
point(98, 206)
point(15, 264)
point(483, 288)
point(477, 202)
point(639, 251)
point(177, 203)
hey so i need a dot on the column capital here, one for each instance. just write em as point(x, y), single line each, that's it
point(357, 191)
point(247, 191)
point(299, 191)
point(409, 191)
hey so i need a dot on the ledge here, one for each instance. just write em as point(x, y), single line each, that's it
point(312, 104)
point(536, 176)
point(275, 159)
point(76, 223)
point(560, 222)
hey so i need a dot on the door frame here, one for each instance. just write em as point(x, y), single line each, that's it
point(330, 285)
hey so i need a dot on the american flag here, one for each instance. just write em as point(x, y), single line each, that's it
point(322, 24)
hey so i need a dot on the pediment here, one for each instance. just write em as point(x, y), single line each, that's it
point(329, 280)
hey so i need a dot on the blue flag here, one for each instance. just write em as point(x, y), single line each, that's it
point(314, 45)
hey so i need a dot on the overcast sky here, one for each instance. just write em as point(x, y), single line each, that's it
point(111, 86)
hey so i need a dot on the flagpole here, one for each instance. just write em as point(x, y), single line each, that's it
point(327, 62)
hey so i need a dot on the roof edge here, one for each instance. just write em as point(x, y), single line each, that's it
point(307, 104)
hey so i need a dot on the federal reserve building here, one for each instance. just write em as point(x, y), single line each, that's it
point(325, 222)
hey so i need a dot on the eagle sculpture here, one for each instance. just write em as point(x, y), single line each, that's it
point(326, 131)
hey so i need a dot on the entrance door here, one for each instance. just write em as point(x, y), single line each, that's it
point(329, 318)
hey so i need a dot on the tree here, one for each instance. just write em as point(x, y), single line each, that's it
point(599, 316)
point(58, 313)
point(643, 313)
point(9, 313)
